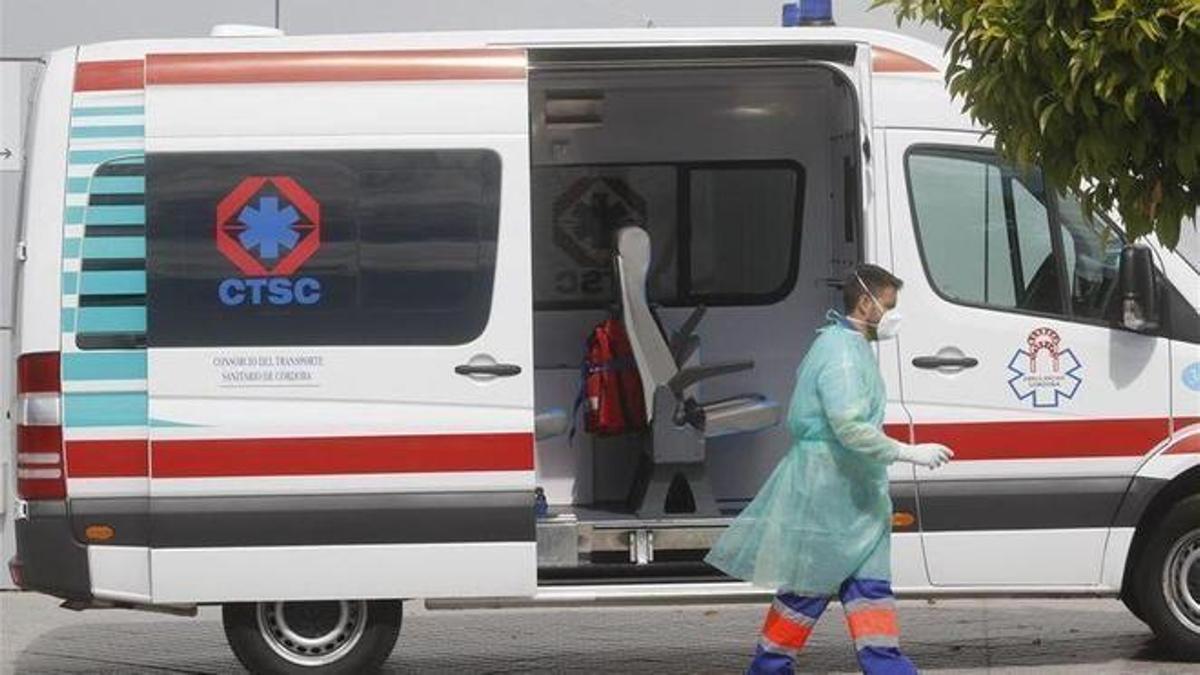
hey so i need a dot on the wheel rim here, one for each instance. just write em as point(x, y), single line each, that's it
point(312, 633)
point(1181, 580)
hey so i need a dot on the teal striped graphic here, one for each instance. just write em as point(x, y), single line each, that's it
point(109, 248)
point(117, 409)
point(114, 131)
point(169, 424)
point(111, 320)
point(108, 185)
point(104, 366)
point(106, 215)
point(114, 215)
point(99, 316)
point(113, 283)
point(107, 111)
point(99, 156)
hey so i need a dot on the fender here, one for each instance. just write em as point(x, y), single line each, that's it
point(1169, 473)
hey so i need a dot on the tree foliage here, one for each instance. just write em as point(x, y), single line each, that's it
point(1103, 94)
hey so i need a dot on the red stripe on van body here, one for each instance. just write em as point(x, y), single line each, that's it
point(107, 459)
point(899, 432)
point(1048, 439)
point(345, 66)
point(109, 75)
point(342, 455)
point(514, 452)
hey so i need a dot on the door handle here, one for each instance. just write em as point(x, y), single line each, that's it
point(931, 362)
point(493, 369)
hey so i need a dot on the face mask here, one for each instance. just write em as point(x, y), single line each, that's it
point(889, 323)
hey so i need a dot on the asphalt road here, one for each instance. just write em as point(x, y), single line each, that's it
point(967, 636)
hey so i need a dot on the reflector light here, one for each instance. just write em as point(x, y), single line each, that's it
point(99, 532)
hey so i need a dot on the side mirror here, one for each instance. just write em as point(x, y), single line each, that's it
point(1139, 299)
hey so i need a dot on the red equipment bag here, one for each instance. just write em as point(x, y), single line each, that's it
point(611, 388)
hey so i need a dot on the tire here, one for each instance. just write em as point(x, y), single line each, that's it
point(1131, 603)
point(318, 638)
point(1167, 580)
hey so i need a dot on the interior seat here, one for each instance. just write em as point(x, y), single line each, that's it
point(679, 423)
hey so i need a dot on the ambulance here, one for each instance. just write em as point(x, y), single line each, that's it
point(300, 324)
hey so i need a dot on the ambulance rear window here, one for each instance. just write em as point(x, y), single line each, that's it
point(321, 247)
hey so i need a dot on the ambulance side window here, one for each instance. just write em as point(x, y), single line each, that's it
point(984, 231)
point(722, 233)
point(750, 263)
point(321, 247)
point(107, 274)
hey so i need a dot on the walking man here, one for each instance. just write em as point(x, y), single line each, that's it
point(822, 523)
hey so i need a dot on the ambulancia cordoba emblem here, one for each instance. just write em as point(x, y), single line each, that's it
point(1044, 373)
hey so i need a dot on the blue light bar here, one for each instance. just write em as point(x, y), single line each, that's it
point(808, 13)
point(791, 15)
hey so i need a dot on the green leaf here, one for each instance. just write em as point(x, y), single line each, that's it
point(1131, 103)
point(1167, 228)
point(1151, 29)
point(1088, 104)
point(1186, 160)
point(1160, 84)
point(1044, 118)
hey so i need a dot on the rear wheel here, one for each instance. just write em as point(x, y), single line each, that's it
point(1131, 603)
point(1168, 580)
point(326, 637)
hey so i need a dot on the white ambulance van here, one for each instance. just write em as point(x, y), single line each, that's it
point(300, 325)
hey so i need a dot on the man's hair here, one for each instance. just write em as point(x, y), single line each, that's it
point(874, 277)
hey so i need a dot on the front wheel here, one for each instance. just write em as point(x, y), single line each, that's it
point(1168, 580)
point(326, 637)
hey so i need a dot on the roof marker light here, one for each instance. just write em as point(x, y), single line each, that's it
point(244, 30)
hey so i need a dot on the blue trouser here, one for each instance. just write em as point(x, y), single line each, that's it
point(870, 616)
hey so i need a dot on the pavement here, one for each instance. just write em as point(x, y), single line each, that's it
point(946, 636)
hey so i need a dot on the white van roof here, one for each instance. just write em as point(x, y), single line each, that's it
point(908, 89)
point(923, 52)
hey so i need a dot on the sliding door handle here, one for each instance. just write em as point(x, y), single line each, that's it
point(932, 362)
point(492, 369)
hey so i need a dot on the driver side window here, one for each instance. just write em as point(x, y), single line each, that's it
point(984, 230)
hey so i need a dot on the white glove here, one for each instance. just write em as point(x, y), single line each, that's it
point(930, 455)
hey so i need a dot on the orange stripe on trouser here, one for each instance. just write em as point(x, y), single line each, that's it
point(783, 632)
point(869, 622)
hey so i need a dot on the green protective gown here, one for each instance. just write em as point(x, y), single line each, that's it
point(825, 513)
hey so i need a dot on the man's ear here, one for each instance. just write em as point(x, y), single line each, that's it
point(863, 306)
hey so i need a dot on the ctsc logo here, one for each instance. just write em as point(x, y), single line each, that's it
point(268, 226)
